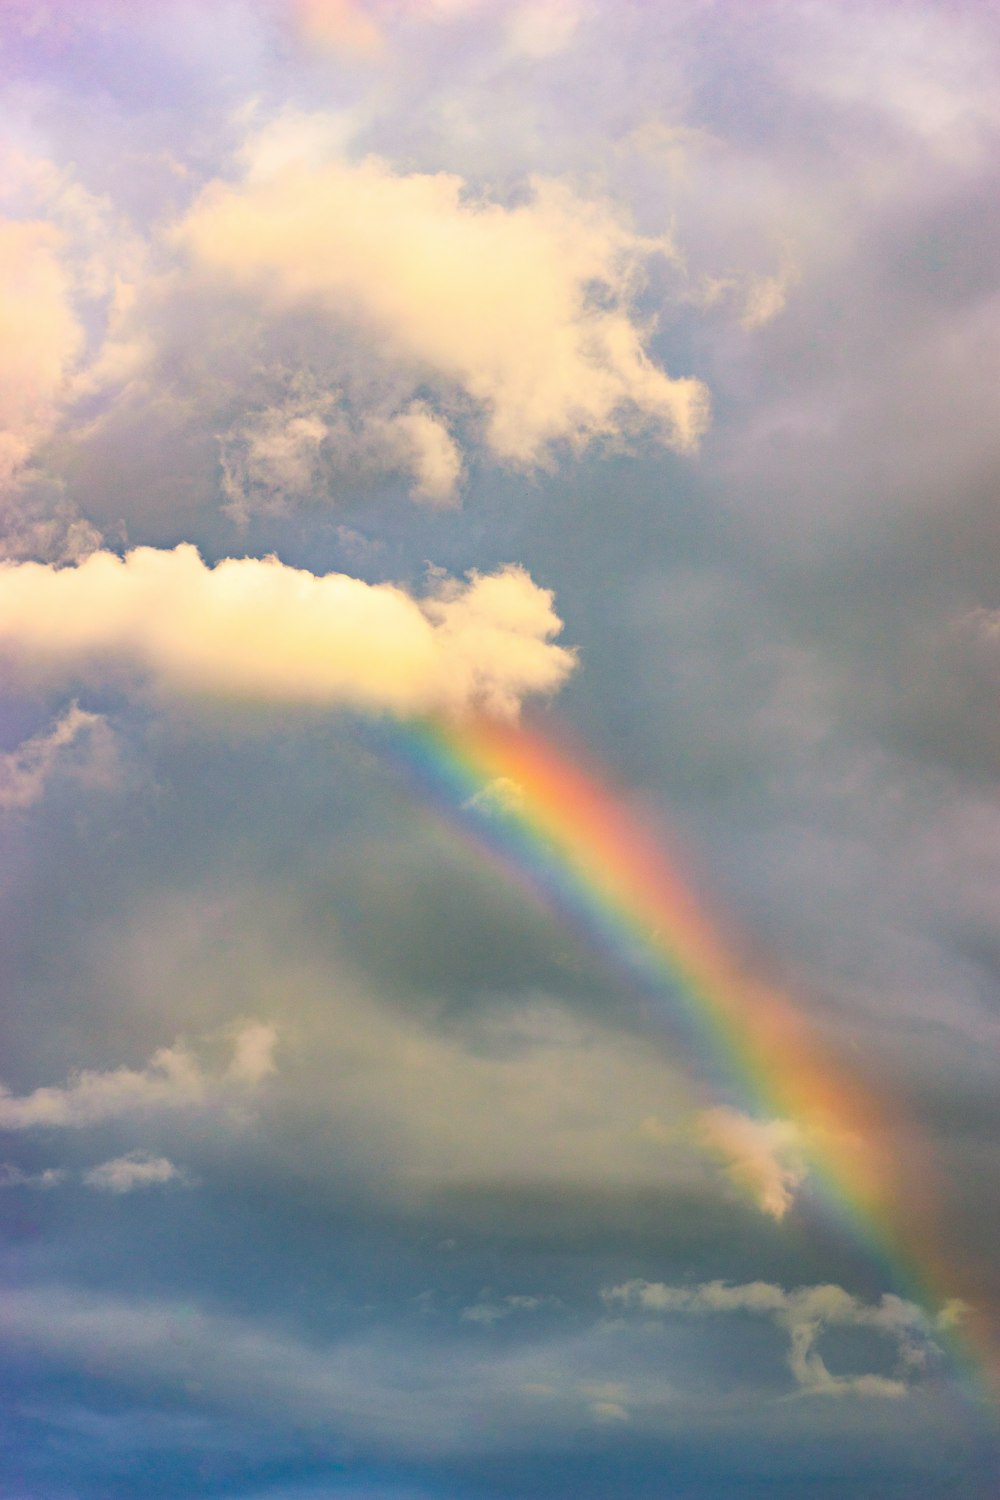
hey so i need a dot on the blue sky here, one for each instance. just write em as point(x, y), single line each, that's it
point(630, 368)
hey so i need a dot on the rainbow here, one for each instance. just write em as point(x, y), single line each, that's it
point(563, 835)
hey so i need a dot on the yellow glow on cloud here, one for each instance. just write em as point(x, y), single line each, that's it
point(39, 337)
point(256, 630)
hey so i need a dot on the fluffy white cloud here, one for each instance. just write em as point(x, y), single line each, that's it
point(762, 1157)
point(803, 1314)
point(126, 1174)
point(80, 744)
point(251, 630)
point(174, 1078)
point(526, 314)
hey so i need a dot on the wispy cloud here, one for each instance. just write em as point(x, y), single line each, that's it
point(79, 744)
point(174, 1078)
point(803, 1314)
point(15, 1177)
point(491, 1309)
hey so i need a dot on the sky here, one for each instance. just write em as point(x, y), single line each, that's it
point(400, 399)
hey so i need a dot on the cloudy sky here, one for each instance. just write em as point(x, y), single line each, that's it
point(623, 370)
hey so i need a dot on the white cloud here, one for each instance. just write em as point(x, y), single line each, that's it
point(174, 1078)
point(524, 314)
point(256, 630)
point(764, 1158)
point(803, 1314)
point(137, 1169)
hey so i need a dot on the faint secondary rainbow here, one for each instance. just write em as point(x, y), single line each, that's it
point(564, 836)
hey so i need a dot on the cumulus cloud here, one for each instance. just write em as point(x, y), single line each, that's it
point(803, 1314)
point(762, 1157)
point(526, 314)
point(256, 630)
point(79, 744)
point(174, 1078)
point(126, 1174)
point(40, 337)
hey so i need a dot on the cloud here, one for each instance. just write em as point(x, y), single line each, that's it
point(13, 1177)
point(762, 1157)
point(525, 315)
point(256, 630)
point(359, 28)
point(429, 451)
point(344, 25)
point(173, 1078)
point(489, 1310)
point(803, 1314)
point(253, 1053)
point(500, 796)
point(79, 744)
point(40, 337)
point(137, 1169)
point(307, 446)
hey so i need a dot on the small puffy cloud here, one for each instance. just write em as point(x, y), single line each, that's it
point(174, 1078)
point(274, 457)
point(253, 629)
point(40, 337)
point(126, 1174)
point(803, 1314)
point(428, 452)
point(79, 744)
point(762, 1157)
point(524, 314)
point(501, 795)
point(253, 1053)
